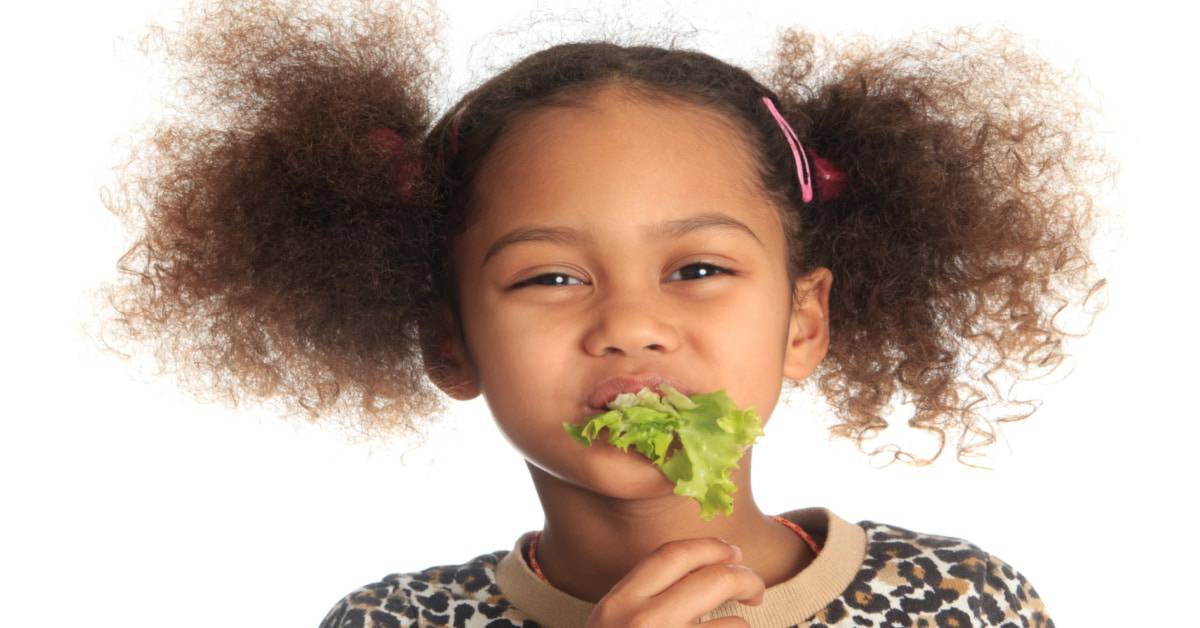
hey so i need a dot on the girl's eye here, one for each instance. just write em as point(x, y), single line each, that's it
point(562, 279)
point(559, 279)
point(719, 270)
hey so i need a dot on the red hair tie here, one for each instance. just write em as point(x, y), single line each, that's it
point(403, 170)
point(831, 180)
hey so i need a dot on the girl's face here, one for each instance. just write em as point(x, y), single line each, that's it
point(617, 290)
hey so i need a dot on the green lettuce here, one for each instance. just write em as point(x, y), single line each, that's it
point(712, 432)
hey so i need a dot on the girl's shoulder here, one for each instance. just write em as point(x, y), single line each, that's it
point(971, 584)
point(445, 595)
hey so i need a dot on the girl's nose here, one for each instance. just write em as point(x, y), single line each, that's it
point(630, 326)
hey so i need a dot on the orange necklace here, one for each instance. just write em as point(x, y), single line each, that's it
point(797, 529)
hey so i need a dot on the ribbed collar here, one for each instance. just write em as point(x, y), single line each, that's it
point(790, 602)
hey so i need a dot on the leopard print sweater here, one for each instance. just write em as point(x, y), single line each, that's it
point(867, 574)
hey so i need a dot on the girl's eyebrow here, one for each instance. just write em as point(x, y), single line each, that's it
point(665, 229)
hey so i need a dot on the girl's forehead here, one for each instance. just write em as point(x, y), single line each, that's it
point(618, 157)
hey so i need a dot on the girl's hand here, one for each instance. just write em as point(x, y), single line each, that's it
point(677, 584)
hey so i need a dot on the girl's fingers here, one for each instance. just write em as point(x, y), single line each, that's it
point(708, 587)
point(677, 584)
point(670, 563)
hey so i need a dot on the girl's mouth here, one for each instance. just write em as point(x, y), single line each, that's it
point(606, 391)
point(587, 412)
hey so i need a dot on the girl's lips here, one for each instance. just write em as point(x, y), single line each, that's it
point(587, 412)
point(607, 390)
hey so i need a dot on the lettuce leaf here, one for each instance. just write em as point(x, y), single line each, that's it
point(712, 432)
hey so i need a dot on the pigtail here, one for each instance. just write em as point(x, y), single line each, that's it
point(284, 221)
point(962, 232)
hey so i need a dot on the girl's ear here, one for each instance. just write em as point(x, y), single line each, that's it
point(446, 360)
point(808, 329)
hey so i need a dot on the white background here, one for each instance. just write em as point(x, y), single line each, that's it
point(127, 503)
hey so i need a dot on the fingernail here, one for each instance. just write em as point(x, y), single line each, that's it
point(737, 553)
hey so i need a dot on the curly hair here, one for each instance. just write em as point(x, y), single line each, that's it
point(294, 240)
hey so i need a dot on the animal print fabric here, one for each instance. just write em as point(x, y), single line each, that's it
point(905, 579)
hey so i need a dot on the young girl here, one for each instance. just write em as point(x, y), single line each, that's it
point(600, 218)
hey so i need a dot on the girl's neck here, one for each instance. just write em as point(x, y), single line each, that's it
point(590, 542)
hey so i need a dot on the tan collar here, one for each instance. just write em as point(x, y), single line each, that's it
point(790, 602)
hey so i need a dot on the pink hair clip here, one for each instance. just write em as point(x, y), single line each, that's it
point(831, 180)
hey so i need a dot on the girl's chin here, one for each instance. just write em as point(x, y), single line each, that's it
point(606, 470)
point(629, 466)
point(613, 466)
point(633, 484)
